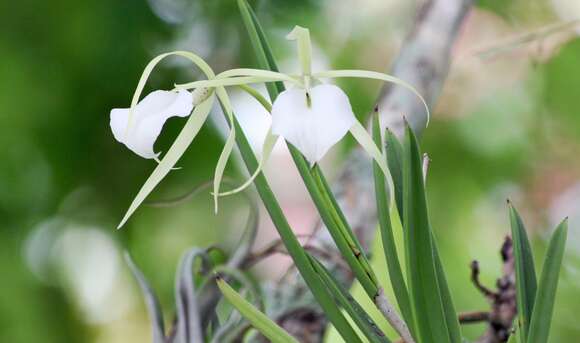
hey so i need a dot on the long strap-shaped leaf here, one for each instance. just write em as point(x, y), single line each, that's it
point(431, 321)
point(386, 230)
point(395, 161)
point(526, 283)
point(448, 306)
point(366, 324)
point(544, 304)
point(258, 319)
point(394, 151)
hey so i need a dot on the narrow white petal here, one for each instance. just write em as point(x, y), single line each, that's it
point(148, 118)
point(316, 128)
point(183, 140)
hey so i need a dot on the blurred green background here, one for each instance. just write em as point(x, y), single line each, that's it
point(506, 126)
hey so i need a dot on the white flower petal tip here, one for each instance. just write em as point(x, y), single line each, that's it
point(139, 130)
point(316, 128)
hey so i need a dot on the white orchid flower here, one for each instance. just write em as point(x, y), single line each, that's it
point(139, 126)
point(315, 118)
point(311, 116)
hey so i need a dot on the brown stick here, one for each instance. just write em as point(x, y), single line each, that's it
point(473, 317)
point(503, 300)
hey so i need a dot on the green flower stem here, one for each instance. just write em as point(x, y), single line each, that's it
point(322, 197)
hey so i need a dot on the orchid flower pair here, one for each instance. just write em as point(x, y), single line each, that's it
point(310, 115)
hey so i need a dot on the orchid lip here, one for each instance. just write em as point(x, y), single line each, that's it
point(139, 127)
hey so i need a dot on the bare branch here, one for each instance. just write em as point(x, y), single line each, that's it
point(473, 317)
point(503, 301)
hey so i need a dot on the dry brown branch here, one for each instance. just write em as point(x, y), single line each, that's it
point(503, 300)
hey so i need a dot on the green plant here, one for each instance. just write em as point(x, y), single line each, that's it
point(421, 290)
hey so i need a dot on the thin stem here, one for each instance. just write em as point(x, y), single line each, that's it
point(473, 317)
point(389, 312)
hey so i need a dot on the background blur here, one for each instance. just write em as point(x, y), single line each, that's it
point(507, 125)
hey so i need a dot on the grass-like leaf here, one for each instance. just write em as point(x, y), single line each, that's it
point(544, 303)
point(366, 324)
point(526, 283)
point(448, 306)
point(394, 151)
point(386, 230)
point(258, 319)
point(423, 274)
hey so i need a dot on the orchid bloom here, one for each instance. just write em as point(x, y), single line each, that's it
point(315, 118)
point(310, 115)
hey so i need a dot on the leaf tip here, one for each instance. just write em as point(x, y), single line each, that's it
point(121, 224)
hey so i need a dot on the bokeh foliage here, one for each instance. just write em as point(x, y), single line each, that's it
point(64, 64)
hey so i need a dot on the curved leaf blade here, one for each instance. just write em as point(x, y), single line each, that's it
point(258, 319)
point(368, 327)
point(526, 283)
point(386, 230)
point(394, 151)
point(423, 275)
point(544, 303)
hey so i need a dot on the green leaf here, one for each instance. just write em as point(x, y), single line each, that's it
point(515, 336)
point(526, 283)
point(258, 320)
point(260, 45)
point(394, 151)
point(451, 317)
point(395, 161)
point(423, 277)
point(395, 272)
point(544, 304)
point(366, 324)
